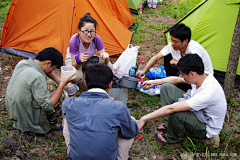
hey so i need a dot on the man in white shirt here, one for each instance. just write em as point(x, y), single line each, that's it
point(200, 111)
point(180, 45)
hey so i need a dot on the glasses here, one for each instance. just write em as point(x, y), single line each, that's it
point(86, 32)
point(174, 41)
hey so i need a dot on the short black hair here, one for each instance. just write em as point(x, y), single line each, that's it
point(191, 62)
point(51, 54)
point(181, 31)
point(98, 76)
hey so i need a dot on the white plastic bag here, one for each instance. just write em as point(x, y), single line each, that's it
point(126, 60)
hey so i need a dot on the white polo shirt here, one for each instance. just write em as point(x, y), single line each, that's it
point(193, 47)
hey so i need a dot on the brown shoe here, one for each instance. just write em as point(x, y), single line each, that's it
point(214, 141)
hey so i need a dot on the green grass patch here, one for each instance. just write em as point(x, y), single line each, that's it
point(180, 9)
point(160, 26)
point(4, 7)
point(5, 123)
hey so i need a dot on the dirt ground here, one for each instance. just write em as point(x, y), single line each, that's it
point(15, 145)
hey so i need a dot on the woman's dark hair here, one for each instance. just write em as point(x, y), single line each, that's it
point(181, 32)
point(191, 62)
point(51, 54)
point(98, 76)
point(87, 18)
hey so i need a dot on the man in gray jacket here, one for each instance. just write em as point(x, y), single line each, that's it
point(29, 102)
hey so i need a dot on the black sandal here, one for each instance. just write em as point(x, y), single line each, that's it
point(159, 140)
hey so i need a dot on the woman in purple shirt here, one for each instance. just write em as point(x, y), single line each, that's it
point(83, 45)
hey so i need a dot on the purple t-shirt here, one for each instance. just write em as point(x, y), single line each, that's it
point(75, 45)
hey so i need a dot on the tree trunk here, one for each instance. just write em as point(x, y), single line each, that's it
point(233, 61)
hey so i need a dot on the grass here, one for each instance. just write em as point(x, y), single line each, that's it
point(233, 102)
point(180, 8)
point(4, 7)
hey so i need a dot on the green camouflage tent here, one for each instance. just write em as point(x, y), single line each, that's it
point(212, 23)
point(134, 5)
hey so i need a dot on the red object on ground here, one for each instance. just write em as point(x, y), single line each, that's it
point(139, 137)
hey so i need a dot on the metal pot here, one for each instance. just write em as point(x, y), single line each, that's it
point(94, 59)
point(129, 81)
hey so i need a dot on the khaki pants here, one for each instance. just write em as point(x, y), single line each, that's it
point(124, 145)
point(82, 69)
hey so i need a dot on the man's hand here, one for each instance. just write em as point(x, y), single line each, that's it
point(173, 62)
point(147, 84)
point(140, 73)
point(67, 78)
point(140, 124)
point(63, 81)
point(84, 57)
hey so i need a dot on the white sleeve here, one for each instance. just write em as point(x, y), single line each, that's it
point(200, 100)
point(205, 58)
point(166, 50)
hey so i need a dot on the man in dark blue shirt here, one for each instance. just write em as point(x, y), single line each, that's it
point(95, 125)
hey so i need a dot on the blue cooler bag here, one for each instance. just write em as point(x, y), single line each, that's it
point(156, 72)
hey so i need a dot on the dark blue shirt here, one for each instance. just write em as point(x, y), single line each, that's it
point(94, 122)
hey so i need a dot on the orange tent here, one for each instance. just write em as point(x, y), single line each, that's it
point(34, 25)
point(120, 10)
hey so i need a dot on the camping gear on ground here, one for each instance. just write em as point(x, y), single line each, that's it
point(154, 90)
point(212, 23)
point(130, 81)
point(68, 70)
point(71, 89)
point(156, 72)
point(29, 26)
point(126, 60)
point(134, 5)
point(141, 67)
point(94, 59)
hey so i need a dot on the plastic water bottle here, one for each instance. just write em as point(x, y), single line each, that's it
point(132, 70)
point(140, 88)
point(154, 90)
point(140, 68)
point(140, 8)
